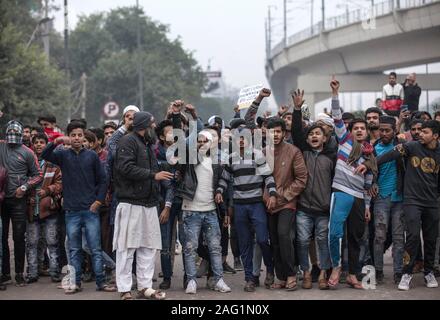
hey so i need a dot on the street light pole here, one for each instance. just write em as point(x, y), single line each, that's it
point(140, 71)
point(323, 13)
point(66, 58)
point(285, 23)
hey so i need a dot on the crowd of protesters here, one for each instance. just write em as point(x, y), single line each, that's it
point(316, 201)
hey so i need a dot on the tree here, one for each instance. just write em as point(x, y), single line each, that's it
point(104, 46)
point(28, 86)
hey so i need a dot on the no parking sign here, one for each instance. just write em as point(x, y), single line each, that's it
point(111, 109)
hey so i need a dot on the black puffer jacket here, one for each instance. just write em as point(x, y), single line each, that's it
point(134, 168)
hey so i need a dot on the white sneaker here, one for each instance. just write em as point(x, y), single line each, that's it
point(405, 282)
point(221, 286)
point(430, 281)
point(191, 288)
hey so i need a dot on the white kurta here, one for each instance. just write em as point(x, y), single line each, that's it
point(136, 227)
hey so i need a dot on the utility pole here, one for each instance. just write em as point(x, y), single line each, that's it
point(66, 58)
point(46, 30)
point(312, 6)
point(83, 95)
point(285, 23)
point(323, 13)
point(269, 29)
point(140, 71)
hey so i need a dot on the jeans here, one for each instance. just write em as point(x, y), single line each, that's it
point(14, 210)
point(166, 231)
point(49, 228)
point(346, 208)
point(282, 237)
point(428, 220)
point(107, 261)
point(250, 217)
point(207, 223)
point(386, 212)
point(75, 221)
point(305, 224)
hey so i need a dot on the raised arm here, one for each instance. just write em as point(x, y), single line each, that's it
point(253, 109)
point(299, 139)
point(340, 129)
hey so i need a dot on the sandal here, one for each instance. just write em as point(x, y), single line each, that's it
point(152, 294)
point(107, 288)
point(291, 285)
point(277, 286)
point(333, 283)
point(354, 285)
point(126, 296)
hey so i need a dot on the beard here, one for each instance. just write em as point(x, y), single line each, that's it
point(373, 126)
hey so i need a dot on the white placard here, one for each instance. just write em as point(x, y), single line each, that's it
point(247, 96)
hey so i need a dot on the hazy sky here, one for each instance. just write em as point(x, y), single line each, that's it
point(230, 32)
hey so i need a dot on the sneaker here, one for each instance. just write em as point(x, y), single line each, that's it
point(430, 281)
point(238, 266)
point(397, 278)
point(30, 280)
point(165, 284)
point(222, 287)
point(191, 288)
point(210, 283)
point(203, 268)
point(250, 286)
point(19, 280)
point(405, 282)
point(6, 279)
point(315, 273)
point(228, 269)
point(379, 277)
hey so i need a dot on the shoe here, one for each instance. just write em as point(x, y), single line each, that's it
point(56, 278)
point(222, 287)
point(228, 269)
point(405, 282)
point(19, 280)
point(6, 279)
point(2, 287)
point(418, 267)
point(250, 286)
point(30, 280)
point(73, 289)
point(203, 269)
point(343, 277)
point(210, 283)
point(191, 288)
point(430, 281)
point(379, 277)
point(354, 285)
point(307, 281)
point(323, 284)
point(165, 284)
point(238, 266)
point(315, 273)
point(256, 281)
point(397, 278)
point(269, 281)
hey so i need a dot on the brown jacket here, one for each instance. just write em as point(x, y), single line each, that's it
point(50, 204)
point(290, 174)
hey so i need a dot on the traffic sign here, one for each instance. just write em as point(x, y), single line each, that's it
point(111, 109)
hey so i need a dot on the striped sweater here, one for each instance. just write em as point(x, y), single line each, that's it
point(247, 176)
point(345, 179)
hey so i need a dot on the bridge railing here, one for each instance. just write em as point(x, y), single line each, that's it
point(350, 17)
